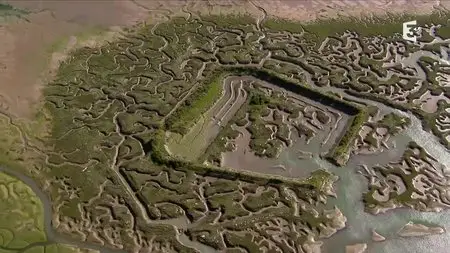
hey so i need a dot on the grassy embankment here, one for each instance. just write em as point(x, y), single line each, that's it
point(318, 179)
point(387, 25)
point(8, 11)
point(196, 104)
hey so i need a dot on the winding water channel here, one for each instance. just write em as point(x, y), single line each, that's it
point(349, 190)
point(52, 235)
point(360, 224)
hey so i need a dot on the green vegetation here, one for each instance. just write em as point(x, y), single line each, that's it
point(388, 25)
point(185, 115)
point(99, 145)
point(394, 123)
point(388, 126)
point(55, 248)
point(320, 179)
point(258, 99)
point(274, 24)
point(22, 214)
point(242, 21)
point(341, 152)
point(160, 156)
point(22, 223)
point(196, 104)
point(7, 10)
point(412, 154)
point(6, 7)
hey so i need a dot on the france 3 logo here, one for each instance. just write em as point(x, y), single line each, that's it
point(410, 31)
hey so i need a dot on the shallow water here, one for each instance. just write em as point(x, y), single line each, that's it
point(352, 185)
point(349, 190)
point(288, 163)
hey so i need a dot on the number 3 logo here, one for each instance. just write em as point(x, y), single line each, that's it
point(408, 31)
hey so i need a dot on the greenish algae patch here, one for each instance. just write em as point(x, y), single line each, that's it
point(21, 214)
point(8, 11)
point(22, 220)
